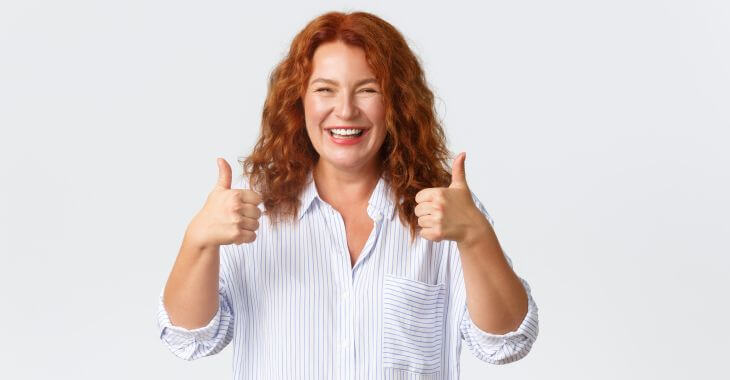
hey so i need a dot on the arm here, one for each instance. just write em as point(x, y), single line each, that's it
point(191, 293)
point(495, 296)
point(493, 335)
point(500, 316)
point(188, 327)
point(195, 314)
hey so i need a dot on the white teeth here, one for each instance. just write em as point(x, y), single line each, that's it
point(346, 132)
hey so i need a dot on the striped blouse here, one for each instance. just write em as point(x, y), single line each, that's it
point(296, 308)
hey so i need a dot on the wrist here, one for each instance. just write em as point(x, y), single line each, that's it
point(194, 239)
point(477, 234)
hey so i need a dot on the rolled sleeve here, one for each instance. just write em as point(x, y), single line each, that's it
point(196, 343)
point(504, 348)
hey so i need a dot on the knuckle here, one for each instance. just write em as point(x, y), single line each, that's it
point(249, 224)
point(250, 236)
point(249, 210)
point(256, 213)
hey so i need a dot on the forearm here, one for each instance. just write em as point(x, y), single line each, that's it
point(191, 292)
point(496, 298)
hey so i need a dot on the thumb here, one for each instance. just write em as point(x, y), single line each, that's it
point(458, 176)
point(224, 174)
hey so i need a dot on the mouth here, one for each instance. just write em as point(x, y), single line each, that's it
point(346, 132)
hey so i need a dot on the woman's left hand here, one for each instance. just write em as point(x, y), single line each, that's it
point(449, 213)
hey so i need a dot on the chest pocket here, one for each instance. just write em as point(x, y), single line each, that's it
point(413, 328)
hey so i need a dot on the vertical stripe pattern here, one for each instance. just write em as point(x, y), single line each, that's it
point(295, 307)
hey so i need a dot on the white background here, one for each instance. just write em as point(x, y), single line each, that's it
point(596, 134)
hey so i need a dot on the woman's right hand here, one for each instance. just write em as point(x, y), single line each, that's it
point(229, 216)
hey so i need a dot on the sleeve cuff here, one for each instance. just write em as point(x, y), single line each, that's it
point(528, 327)
point(177, 335)
point(502, 348)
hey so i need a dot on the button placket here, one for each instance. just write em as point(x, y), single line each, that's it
point(347, 303)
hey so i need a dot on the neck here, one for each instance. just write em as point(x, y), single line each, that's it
point(345, 188)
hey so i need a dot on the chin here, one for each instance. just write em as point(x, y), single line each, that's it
point(345, 163)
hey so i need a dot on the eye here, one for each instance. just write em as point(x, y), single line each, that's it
point(370, 90)
point(322, 89)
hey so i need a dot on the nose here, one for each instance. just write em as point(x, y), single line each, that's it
point(346, 107)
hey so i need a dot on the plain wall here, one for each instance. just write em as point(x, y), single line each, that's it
point(596, 135)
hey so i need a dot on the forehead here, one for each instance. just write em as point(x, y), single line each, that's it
point(339, 59)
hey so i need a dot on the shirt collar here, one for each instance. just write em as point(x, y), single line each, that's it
point(380, 202)
point(307, 196)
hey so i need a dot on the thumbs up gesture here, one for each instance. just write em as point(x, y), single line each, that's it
point(449, 213)
point(229, 216)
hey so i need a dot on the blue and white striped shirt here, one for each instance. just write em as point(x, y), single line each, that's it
point(296, 308)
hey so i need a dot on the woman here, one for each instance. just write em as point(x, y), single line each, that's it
point(334, 285)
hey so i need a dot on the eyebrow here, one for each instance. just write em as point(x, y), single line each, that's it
point(334, 82)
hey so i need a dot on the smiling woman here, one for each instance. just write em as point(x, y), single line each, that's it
point(332, 285)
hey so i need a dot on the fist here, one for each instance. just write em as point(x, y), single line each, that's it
point(448, 213)
point(229, 216)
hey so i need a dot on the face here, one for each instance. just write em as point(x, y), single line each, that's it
point(343, 108)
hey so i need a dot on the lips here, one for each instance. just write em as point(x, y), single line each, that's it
point(347, 139)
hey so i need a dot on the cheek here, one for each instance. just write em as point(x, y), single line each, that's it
point(376, 114)
point(314, 110)
point(313, 117)
point(375, 110)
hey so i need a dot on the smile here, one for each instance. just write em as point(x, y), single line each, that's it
point(347, 135)
point(349, 132)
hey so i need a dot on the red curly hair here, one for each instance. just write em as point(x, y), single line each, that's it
point(414, 154)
